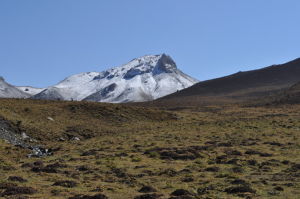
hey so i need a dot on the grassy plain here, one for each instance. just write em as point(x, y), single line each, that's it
point(217, 151)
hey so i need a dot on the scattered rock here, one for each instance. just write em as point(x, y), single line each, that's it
point(120, 173)
point(239, 189)
point(18, 190)
point(98, 196)
point(264, 182)
point(248, 142)
point(253, 152)
point(18, 197)
point(187, 179)
point(181, 192)
point(83, 168)
point(212, 169)
point(289, 184)
point(65, 183)
point(98, 189)
point(265, 168)
point(38, 163)
point(75, 139)
point(252, 162)
point(169, 172)
point(39, 152)
point(285, 162)
point(57, 165)
point(295, 168)
point(45, 169)
point(184, 153)
point(273, 143)
point(278, 188)
point(182, 197)
point(148, 196)
point(18, 138)
point(233, 152)
point(239, 182)
point(237, 169)
point(224, 144)
point(25, 136)
point(51, 168)
point(5, 185)
point(121, 154)
point(221, 159)
point(205, 190)
point(90, 152)
point(273, 192)
point(147, 189)
point(16, 179)
point(50, 118)
point(232, 161)
point(265, 155)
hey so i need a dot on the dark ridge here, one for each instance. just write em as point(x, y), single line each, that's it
point(245, 85)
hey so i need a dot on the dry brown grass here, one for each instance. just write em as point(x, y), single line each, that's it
point(200, 149)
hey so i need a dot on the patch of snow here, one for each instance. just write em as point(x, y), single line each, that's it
point(142, 79)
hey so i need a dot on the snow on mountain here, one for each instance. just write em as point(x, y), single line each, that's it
point(9, 91)
point(30, 90)
point(143, 79)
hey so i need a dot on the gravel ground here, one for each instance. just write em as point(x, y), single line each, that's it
point(11, 135)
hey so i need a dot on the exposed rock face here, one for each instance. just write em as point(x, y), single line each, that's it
point(13, 135)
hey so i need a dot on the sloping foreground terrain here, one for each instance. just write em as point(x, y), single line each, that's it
point(241, 86)
point(116, 151)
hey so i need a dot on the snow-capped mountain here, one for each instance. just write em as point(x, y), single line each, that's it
point(9, 91)
point(143, 79)
point(30, 90)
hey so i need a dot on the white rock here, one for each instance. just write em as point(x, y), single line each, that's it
point(76, 138)
point(50, 118)
point(24, 136)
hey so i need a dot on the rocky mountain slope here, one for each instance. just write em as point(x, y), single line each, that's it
point(9, 91)
point(143, 79)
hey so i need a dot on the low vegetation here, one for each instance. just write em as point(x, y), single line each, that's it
point(117, 151)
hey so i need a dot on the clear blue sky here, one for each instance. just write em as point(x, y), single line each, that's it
point(44, 41)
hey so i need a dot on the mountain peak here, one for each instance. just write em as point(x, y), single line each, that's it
point(142, 79)
point(155, 64)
